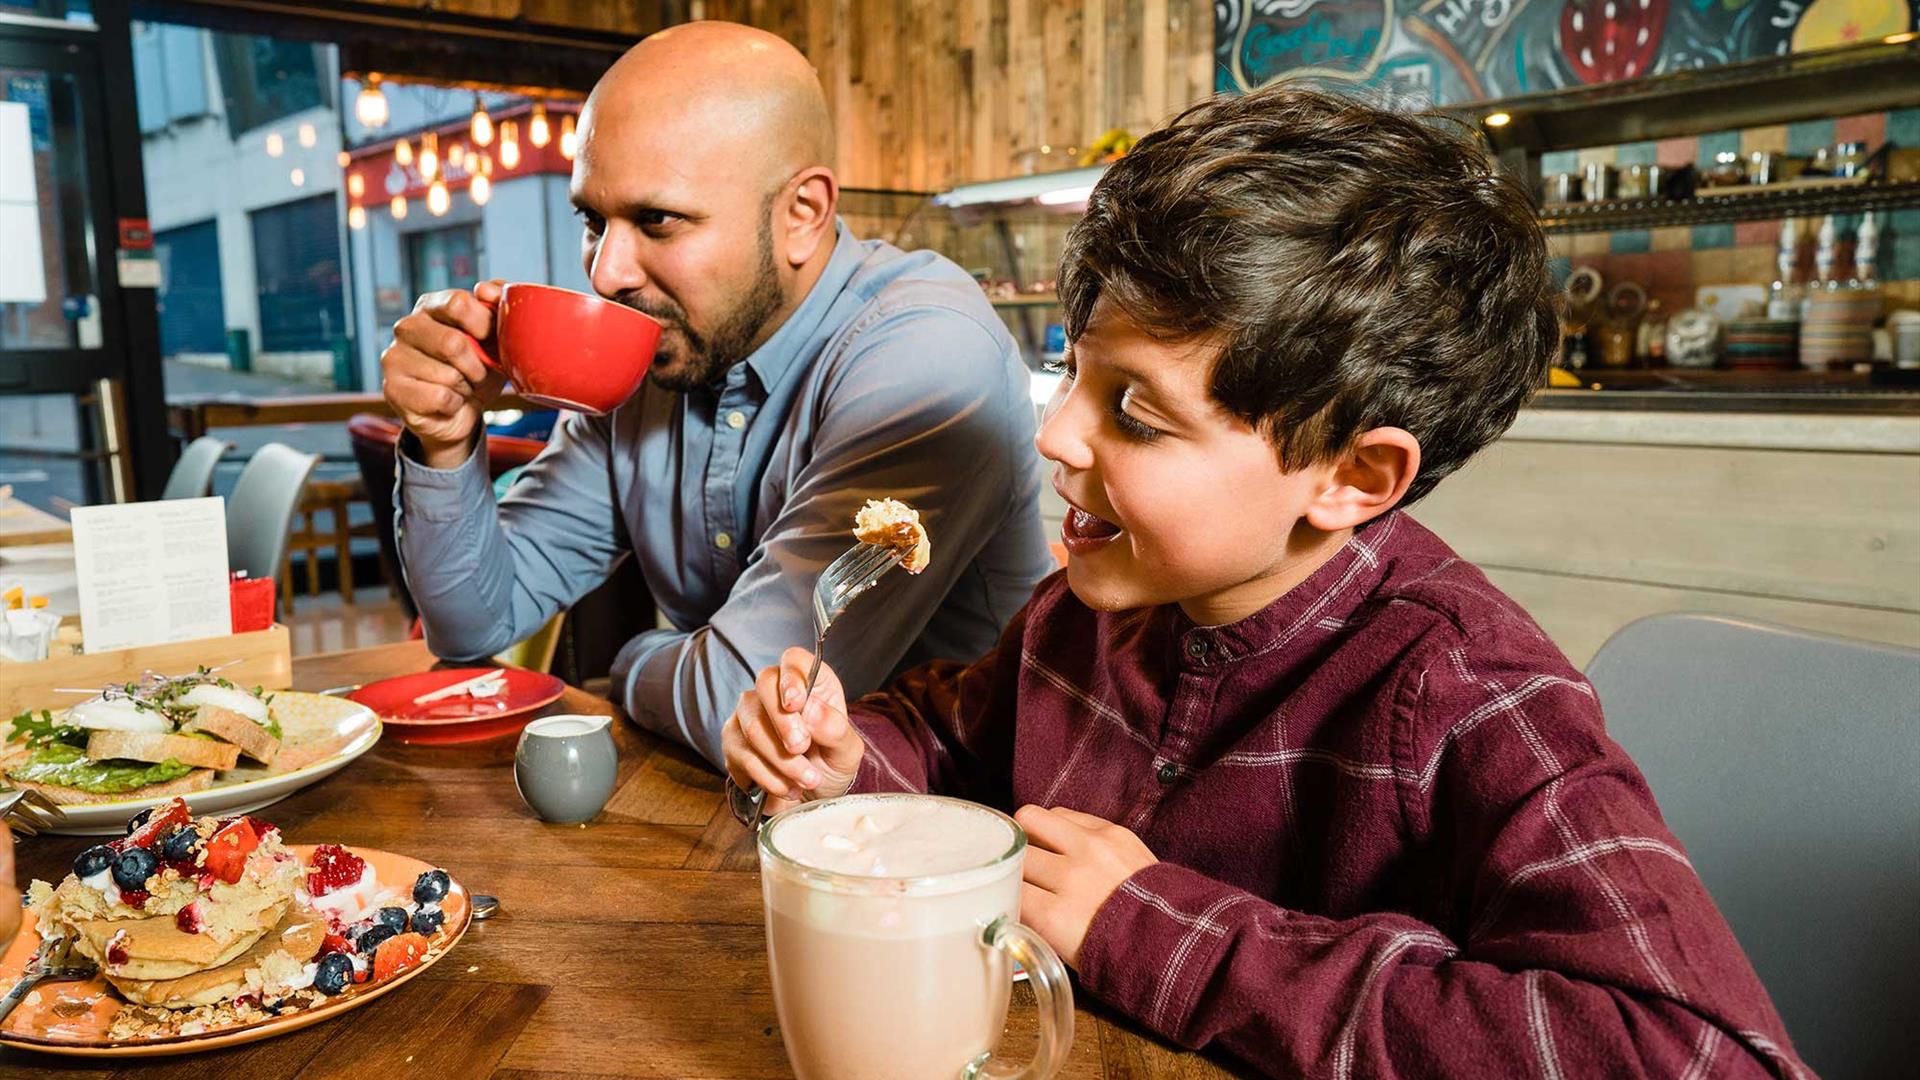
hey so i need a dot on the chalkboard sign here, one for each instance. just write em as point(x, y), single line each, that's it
point(1420, 52)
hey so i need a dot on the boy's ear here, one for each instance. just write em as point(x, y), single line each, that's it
point(1366, 481)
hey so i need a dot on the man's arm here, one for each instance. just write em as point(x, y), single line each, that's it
point(922, 407)
point(487, 575)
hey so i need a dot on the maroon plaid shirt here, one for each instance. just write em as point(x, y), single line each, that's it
point(1395, 838)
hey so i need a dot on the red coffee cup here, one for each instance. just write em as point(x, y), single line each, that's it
point(570, 350)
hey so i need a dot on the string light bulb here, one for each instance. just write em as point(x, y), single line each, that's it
point(429, 156)
point(308, 136)
point(356, 185)
point(509, 145)
point(456, 155)
point(569, 138)
point(481, 189)
point(343, 159)
point(538, 131)
point(356, 217)
point(299, 177)
point(276, 145)
point(370, 106)
point(481, 127)
point(398, 207)
point(403, 152)
point(438, 200)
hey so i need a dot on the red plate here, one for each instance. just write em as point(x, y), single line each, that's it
point(461, 718)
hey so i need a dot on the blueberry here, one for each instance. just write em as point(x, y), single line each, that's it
point(334, 974)
point(93, 860)
point(371, 938)
point(180, 845)
point(393, 918)
point(134, 866)
point(138, 820)
point(431, 886)
point(428, 922)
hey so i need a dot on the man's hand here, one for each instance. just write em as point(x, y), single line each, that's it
point(1074, 862)
point(433, 373)
point(9, 892)
point(793, 756)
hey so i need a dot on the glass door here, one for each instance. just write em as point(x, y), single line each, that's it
point(63, 361)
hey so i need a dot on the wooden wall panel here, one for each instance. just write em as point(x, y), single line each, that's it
point(931, 93)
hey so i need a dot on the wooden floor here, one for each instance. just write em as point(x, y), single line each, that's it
point(324, 624)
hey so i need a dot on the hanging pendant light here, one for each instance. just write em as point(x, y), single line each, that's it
point(509, 145)
point(538, 132)
point(481, 127)
point(569, 138)
point(308, 136)
point(438, 200)
point(481, 189)
point(276, 145)
point(343, 159)
point(370, 107)
point(456, 155)
point(429, 156)
point(403, 152)
point(299, 177)
point(398, 207)
point(356, 185)
point(486, 166)
point(356, 217)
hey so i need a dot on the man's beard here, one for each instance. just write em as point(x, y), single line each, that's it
point(695, 359)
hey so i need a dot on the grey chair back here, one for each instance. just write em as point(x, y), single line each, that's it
point(1788, 764)
point(260, 510)
point(192, 475)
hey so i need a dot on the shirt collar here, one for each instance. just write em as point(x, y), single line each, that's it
point(775, 357)
point(1329, 593)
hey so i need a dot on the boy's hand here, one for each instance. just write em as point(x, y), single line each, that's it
point(1074, 863)
point(793, 757)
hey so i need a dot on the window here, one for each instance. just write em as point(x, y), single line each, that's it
point(265, 79)
point(443, 259)
point(192, 316)
point(296, 261)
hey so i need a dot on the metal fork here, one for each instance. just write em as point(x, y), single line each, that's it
point(28, 812)
point(856, 571)
point(55, 962)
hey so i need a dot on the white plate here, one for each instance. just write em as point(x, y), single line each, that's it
point(331, 731)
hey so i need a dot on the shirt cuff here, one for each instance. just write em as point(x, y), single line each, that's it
point(872, 775)
point(1155, 944)
point(442, 495)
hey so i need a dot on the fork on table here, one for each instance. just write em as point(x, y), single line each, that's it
point(856, 571)
point(28, 812)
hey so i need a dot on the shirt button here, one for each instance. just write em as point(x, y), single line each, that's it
point(736, 419)
point(1197, 648)
point(1169, 772)
point(722, 541)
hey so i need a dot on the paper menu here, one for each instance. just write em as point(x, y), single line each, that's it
point(152, 572)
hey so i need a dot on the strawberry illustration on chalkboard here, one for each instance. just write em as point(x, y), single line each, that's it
point(1605, 40)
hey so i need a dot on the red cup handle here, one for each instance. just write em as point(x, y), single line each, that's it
point(486, 355)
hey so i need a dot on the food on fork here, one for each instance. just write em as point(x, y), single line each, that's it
point(206, 922)
point(892, 524)
point(157, 737)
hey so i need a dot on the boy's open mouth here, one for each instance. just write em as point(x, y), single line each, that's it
point(1082, 530)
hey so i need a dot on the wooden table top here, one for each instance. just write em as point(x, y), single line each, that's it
point(629, 947)
point(22, 524)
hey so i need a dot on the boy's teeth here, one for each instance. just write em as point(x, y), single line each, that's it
point(1086, 526)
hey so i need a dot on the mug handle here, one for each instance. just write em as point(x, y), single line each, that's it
point(486, 355)
point(1052, 994)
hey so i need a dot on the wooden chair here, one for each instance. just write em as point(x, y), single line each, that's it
point(333, 497)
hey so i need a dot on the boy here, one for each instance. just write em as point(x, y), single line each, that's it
point(1299, 781)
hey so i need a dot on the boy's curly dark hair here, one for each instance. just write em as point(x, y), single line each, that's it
point(1362, 269)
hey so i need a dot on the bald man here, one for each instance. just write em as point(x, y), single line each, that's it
point(801, 372)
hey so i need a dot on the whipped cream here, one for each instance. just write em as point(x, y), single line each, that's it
point(103, 883)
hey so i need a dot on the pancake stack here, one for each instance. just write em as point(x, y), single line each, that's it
point(214, 917)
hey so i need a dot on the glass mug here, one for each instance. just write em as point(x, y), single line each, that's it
point(908, 976)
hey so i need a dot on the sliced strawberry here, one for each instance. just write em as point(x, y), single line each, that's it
point(227, 850)
point(135, 898)
point(334, 943)
point(189, 919)
point(163, 821)
point(333, 867)
point(397, 954)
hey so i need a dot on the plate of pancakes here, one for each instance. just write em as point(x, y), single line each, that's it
point(231, 936)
